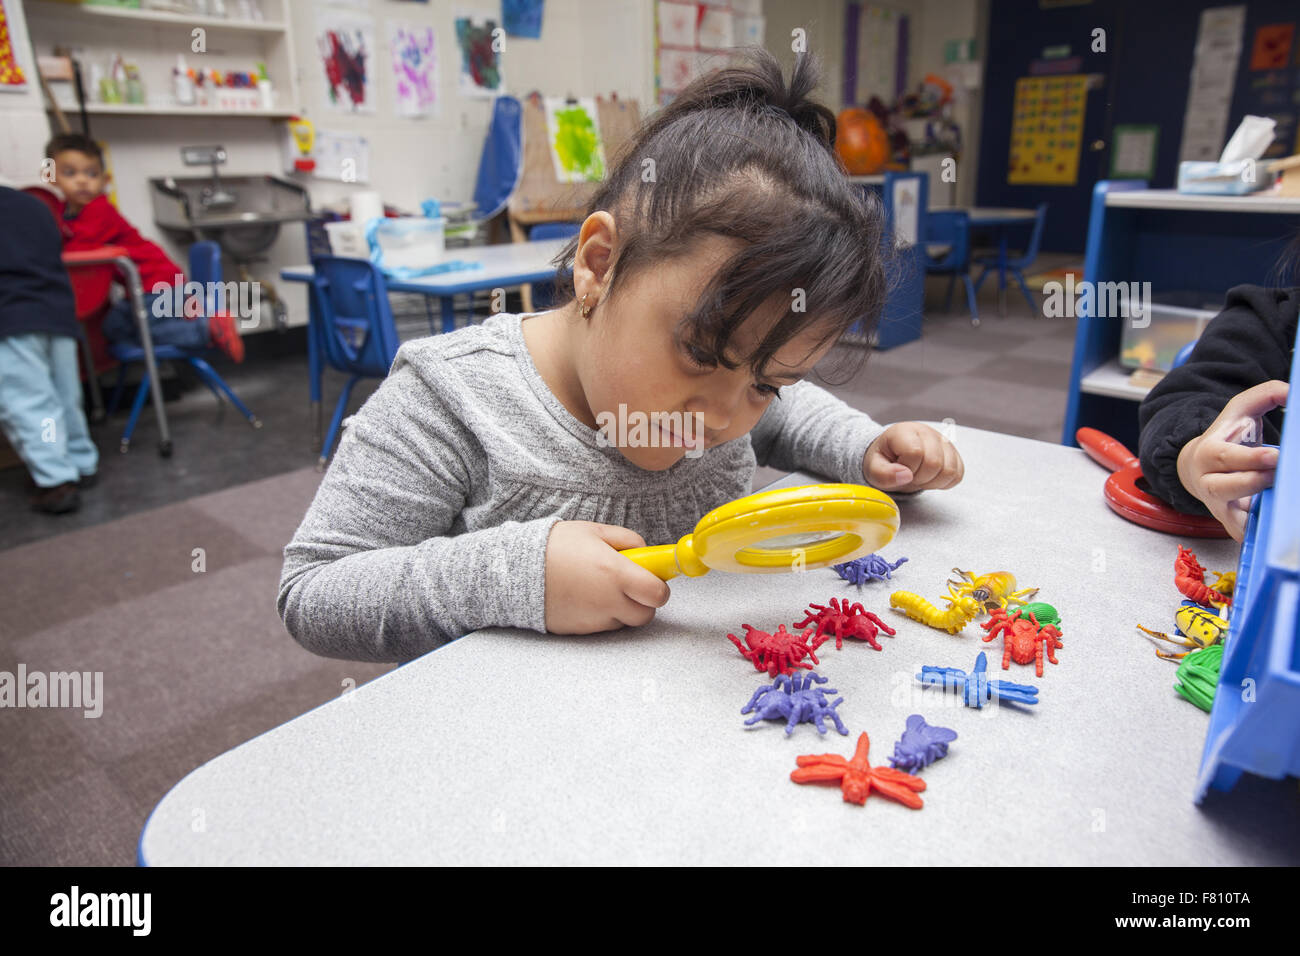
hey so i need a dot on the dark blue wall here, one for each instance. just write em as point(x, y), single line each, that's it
point(1148, 66)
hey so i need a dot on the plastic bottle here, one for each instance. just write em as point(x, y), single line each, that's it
point(182, 85)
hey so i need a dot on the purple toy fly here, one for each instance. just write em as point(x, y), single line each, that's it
point(921, 745)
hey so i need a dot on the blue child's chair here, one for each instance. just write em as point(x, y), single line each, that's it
point(351, 329)
point(205, 269)
point(544, 294)
point(1016, 265)
point(950, 230)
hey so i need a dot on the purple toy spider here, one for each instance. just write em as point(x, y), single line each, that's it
point(871, 568)
point(921, 745)
point(801, 702)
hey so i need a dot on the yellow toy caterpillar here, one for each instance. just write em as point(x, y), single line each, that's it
point(961, 610)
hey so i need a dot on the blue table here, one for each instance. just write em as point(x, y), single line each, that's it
point(496, 267)
point(997, 219)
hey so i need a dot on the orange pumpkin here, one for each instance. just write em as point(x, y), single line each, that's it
point(861, 142)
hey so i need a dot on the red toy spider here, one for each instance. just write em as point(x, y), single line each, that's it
point(779, 653)
point(844, 620)
point(857, 778)
point(1022, 641)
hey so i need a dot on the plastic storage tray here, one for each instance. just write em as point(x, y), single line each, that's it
point(1255, 721)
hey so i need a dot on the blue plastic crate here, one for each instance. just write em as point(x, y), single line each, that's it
point(1255, 721)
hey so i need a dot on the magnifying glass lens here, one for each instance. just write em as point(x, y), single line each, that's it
point(788, 542)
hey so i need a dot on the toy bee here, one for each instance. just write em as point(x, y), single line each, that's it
point(1197, 628)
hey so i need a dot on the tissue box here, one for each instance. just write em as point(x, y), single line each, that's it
point(1222, 179)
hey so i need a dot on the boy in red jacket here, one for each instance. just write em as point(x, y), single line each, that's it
point(91, 221)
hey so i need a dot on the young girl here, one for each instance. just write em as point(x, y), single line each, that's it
point(718, 263)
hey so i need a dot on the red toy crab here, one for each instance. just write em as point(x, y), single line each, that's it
point(779, 653)
point(843, 620)
point(1022, 641)
point(857, 778)
point(1189, 576)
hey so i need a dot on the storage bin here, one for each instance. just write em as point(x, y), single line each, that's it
point(408, 245)
point(1255, 721)
point(1176, 319)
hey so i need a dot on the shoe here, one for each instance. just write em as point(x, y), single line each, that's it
point(58, 500)
point(224, 336)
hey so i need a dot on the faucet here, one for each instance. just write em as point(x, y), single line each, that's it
point(215, 196)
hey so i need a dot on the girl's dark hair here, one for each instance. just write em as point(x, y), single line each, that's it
point(741, 154)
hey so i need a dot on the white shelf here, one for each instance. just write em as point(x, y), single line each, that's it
point(195, 112)
point(186, 21)
point(1172, 199)
point(1112, 379)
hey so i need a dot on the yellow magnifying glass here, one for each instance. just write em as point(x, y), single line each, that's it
point(776, 531)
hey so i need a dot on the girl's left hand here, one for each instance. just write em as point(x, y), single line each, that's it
point(909, 456)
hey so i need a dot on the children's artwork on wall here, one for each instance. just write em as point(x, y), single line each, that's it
point(1047, 130)
point(12, 76)
point(715, 31)
point(677, 24)
point(574, 136)
point(481, 72)
point(345, 43)
point(413, 53)
point(523, 18)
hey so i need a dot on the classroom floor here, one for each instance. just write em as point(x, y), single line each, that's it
point(196, 662)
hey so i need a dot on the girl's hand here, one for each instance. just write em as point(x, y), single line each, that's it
point(1224, 474)
point(590, 586)
point(909, 456)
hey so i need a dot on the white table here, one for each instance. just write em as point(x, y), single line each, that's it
point(514, 747)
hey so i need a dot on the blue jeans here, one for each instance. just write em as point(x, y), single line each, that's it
point(120, 326)
point(40, 407)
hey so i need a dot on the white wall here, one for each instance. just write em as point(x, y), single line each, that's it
point(587, 47)
point(24, 127)
point(931, 24)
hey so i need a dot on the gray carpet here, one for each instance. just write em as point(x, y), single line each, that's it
point(195, 663)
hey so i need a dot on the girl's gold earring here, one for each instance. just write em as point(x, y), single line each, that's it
point(582, 305)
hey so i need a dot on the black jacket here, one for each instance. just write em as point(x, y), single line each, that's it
point(35, 295)
point(1250, 342)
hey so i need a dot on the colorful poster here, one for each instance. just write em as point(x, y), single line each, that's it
point(481, 72)
point(1047, 130)
point(345, 44)
point(11, 74)
point(1272, 49)
point(573, 131)
point(523, 18)
point(413, 54)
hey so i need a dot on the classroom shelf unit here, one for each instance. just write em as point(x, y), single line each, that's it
point(1177, 243)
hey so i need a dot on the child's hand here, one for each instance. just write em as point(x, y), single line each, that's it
point(1224, 474)
point(591, 587)
point(909, 456)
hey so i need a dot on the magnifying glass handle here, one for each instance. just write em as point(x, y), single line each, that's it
point(660, 560)
point(666, 561)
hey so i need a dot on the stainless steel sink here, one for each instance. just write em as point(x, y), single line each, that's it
point(242, 213)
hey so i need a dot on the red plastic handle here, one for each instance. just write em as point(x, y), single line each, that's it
point(1106, 451)
point(94, 257)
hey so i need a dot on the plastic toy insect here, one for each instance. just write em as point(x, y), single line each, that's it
point(993, 590)
point(976, 688)
point(960, 611)
point(1189, 576)
point(1045, 613)
point(921, 745)
point(842, 620)
point(857, 778)
point(1023, 639)
point(795, 699)
point(1197, 628)
point(1198, 675)
point(778, 653)
point(870, 568)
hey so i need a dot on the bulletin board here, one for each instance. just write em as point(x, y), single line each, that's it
point(1047, 130)
point(690, 38)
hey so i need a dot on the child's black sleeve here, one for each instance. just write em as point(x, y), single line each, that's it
point(1250, 342)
